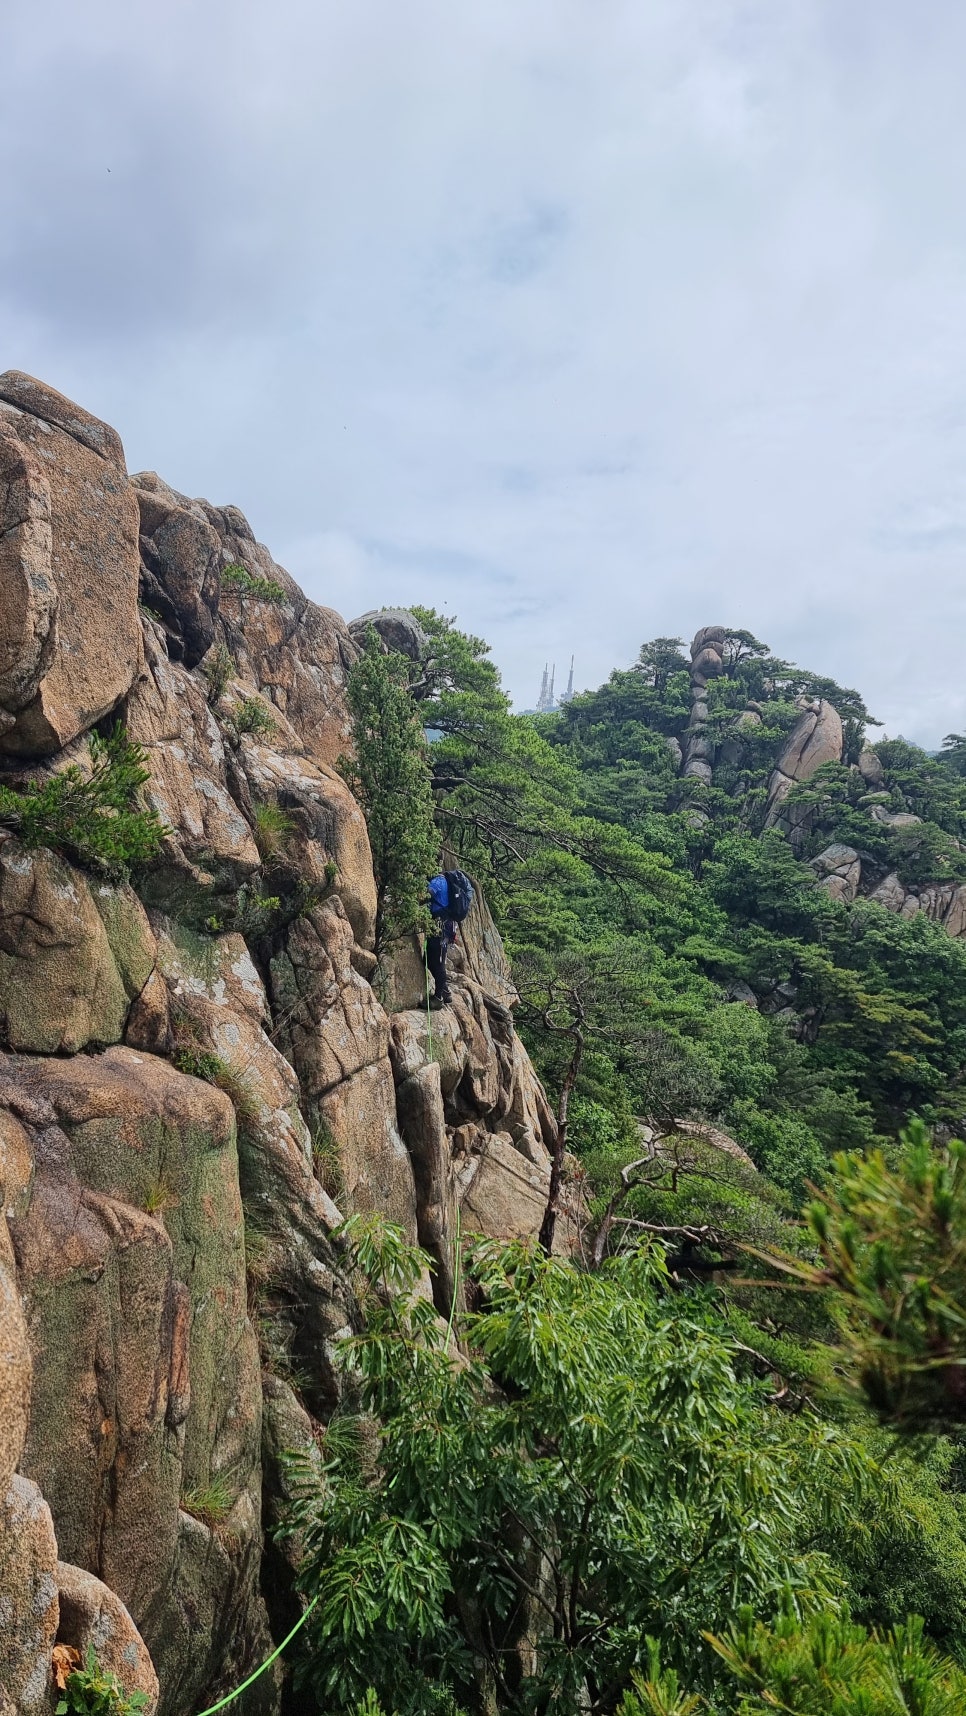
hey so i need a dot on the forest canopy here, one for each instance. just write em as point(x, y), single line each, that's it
point(560, 1521)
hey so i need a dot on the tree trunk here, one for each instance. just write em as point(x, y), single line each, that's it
point(549, 1223)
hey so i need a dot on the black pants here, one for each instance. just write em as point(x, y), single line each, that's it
point(437, 947)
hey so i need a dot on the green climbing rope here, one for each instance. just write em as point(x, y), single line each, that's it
point(429, 1016)
point(456, 1276)
point(223, 1702)
point(266, 1664)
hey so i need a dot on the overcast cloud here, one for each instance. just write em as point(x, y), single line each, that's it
point(587, 320)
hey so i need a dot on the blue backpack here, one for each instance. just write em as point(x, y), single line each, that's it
point(460, 895)
point(439, 897)
point(451, 896)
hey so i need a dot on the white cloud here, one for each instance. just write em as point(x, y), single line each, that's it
point(585, 319)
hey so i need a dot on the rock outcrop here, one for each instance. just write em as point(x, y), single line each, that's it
point(197, 1078)
point(815, 739)
point(707, 662)
point(70, 633)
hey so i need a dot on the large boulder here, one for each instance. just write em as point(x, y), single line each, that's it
point(93, 1618)
point(815, 739)
point(423, 1123)
point(358, 1121)
point(330, 1022)
point(29, 1609)
point(73, 954)
point(146, 1388)
point(218, 1001)
point(839, 869)
point(707, 655)
point(397, 627)
point(870, 767)
point(501, 1195)
point(328, 828)
point(296, 653)
point(70, 635)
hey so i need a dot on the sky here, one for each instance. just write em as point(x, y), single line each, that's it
point(586, 321)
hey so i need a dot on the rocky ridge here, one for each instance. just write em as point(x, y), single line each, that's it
point(196, 1085)
point(817, 738)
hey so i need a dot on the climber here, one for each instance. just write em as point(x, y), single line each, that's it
point(450, 898)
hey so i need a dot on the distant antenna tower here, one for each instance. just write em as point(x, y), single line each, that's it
point(542, 704)
point(553, 674)
point(567, 696)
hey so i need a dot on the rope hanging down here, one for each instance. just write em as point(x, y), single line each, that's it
point(223, 1702)
point(266, 1664)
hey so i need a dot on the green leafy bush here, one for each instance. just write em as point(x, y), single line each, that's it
point(596, 1473)
point(218, 668)
point(254, 716)
point(90, 1691)
point(199, 1063)
point(95, 818)
point(828, 1666)
point(891, 1241)
point(236, 577)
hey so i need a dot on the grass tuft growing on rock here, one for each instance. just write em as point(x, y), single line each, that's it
point(326, 1161)
point(211, 1504)
point(272, 829)
point(159, 1197)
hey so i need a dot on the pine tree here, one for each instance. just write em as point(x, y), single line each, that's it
point(390, 776)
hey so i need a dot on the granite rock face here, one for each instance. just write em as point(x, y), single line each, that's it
point(839, 868)
point(74, 954)
point(70, 635)
point(815, 739)
point(198, 1080)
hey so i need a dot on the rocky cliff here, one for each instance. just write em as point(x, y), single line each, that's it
point(198, 1078)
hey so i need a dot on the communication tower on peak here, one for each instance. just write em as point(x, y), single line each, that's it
point(548, 700)
point(545, 701)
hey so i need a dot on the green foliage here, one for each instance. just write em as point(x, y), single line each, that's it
point(909, 1553)
point(212, 1503)
point(829, 1666)
point(389, 775)
point(92, 1691)
point(199, 1063)
point(94, 818)
point(160, 1196)
point(595, 1474)
point(327, 1160)
point(253, 912)
point(236, 577)
point(254, 716)
point(659, 1693)
point(718, 983)
point(218, 668)
point(891, 1243)
point(272, 827)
